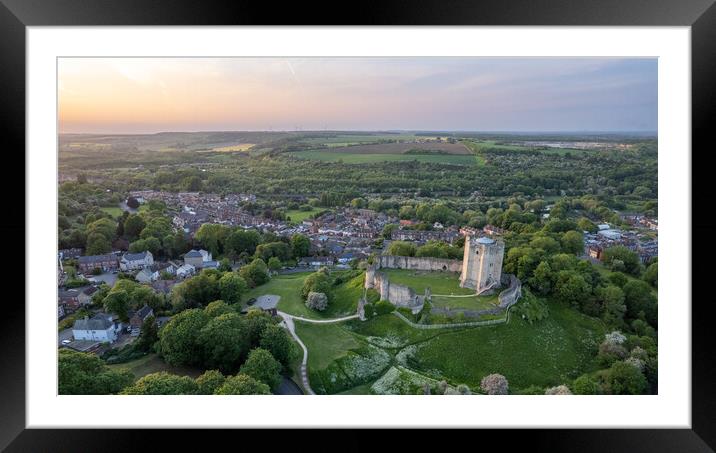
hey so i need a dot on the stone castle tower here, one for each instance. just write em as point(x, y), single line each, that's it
point(482, 263)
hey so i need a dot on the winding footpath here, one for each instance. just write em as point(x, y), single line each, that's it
point(291, 326)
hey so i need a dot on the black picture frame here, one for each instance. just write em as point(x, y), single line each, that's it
point(700, 15)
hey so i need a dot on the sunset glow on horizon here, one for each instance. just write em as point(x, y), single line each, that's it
point(147, 95)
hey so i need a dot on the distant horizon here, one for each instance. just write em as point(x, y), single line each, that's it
point(146, 95)
point(397, 131)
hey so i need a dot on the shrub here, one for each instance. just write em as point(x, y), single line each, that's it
point(383, 307)
point(585, 385)
point(559, 390)
point(317, 301)
point(494, 384)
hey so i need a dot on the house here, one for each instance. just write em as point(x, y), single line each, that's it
point(134, 261)
point(197, 258)
point(186, 270)
point(66, 254)
point(146, 275)
point(614, 235)
point(163, 286)
point(69, 299)
point(60, 310)
point(138, 318)
point(169, 268)
point(492, 230)
point(85, 295)
point(105, 263)
point(101, 327)
point(595, 252)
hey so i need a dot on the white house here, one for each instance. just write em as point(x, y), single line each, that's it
point(146, 275)
point(197, 258)
point(101, 327)
point(185, 271)
point(133, 261)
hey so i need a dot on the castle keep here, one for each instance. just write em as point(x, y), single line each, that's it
point(482, 264)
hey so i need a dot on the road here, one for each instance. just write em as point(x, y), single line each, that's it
point(64, 335)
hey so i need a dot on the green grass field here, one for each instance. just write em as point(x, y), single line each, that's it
point(297, 215)
point(152, 363)
point(446, 283)
point(548, 353)
point(348, 158)
point(115, 211)
point(342, 303)
point(468, 303)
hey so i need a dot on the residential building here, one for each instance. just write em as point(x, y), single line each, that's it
point(134, 261)
point(101, 327)
point(137, 319)
point(105, 263)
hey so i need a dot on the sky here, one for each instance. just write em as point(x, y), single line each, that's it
point(148, 95)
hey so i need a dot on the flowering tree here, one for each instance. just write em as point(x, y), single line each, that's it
point(559, 390)
point(494, 384)
point(317, 301)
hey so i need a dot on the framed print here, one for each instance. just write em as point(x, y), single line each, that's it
point(435, 218)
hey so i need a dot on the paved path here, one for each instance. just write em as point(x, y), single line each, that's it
point(290, 325)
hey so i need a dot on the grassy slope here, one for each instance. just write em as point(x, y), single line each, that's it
point(152, 363)
point(548, 353)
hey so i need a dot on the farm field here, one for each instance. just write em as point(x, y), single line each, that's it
point(405, 148)
point(330, 156)
point(446, 283)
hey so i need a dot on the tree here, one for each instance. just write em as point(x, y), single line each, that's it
point(178, 339)
point(86, 374)
point(224, 342)
point(133, 226)
point(494, 384)
point(197, 291)
point(262, 366)
point(573, 242)
point(148, 335)
point(401, 248)
point(558, 390)
point(224, 265)
point(217, 308)
point(612, 256)
point(651, 275)
point(277, 249)
point(240, 241)
point(640, 301)
point(133, 203)
point(317, 282)
point(151, 244)
point(316, 301)
point(276, 340)
point(612, 298)
point(541, 280)
point(300, 246)
point(571, 288)
point(388, 230)
point(255, 274)
point(584, 224)
point(162, 383)
point(232, 287)
point(117, 302)
point(242, 384)
point(97, 244)
point(209, 382)
point(192, 184)
point(274, 264)
point(212, 237)
point(624, 379)
point(585, 385)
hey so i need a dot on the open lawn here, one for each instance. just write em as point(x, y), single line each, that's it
point(152, 363)
point(114, 211)
point(548, 353)
point(297, 215)
point(343, 302)
point(467, 303)
point(360, 158)
point(446, 283)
